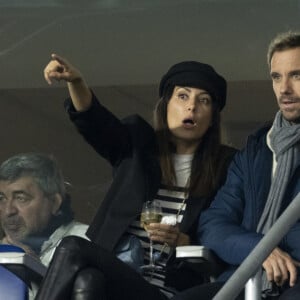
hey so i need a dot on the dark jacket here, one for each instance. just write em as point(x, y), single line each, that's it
point(130, 147)
point(228, 227)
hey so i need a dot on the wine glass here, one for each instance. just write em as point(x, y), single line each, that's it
point(151, 213)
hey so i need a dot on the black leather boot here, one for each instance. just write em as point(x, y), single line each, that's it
point(89, 285)
point(68, 260)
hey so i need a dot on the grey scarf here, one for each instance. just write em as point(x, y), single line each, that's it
point(284, 137)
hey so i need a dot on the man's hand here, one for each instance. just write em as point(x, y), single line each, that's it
point(280, 267)
point(60, 69)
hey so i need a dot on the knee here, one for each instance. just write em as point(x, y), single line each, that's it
point(89, 277)
point(89, 284)
point(73, 242)
point(291, 293)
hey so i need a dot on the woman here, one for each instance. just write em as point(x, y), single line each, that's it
point(180, 162)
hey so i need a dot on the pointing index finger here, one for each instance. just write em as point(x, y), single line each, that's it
point(59, 59)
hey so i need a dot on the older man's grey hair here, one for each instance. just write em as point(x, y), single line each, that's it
point(41, 167)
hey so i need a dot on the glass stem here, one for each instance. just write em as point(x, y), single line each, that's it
point(151, 253)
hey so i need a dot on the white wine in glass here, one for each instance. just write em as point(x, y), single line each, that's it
point(151, 213)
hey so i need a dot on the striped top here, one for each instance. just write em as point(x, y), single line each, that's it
point(173, 204)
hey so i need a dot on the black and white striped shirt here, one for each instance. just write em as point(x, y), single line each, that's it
point(173, 204)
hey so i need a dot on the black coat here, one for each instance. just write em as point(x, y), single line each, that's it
point(130, 147)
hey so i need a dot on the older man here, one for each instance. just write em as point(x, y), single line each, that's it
point(35, 210)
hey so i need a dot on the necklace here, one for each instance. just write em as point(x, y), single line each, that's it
point(158, 255)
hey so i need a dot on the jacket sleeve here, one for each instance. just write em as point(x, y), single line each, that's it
point(221, 226)
point(102, 130)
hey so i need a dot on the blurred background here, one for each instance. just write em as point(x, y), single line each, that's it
point(123, 47)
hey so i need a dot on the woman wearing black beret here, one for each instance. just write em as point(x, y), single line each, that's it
point(179, 162)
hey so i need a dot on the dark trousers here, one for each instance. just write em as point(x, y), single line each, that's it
point(292, 293)
point(68, 276)
point(203, 292)
point(209, 290)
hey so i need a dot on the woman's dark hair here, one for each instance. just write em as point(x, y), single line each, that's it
point(204, 178)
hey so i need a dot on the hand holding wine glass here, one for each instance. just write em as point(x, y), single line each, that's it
point(151, 213)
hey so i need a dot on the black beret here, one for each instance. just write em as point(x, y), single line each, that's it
point(198, 75)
